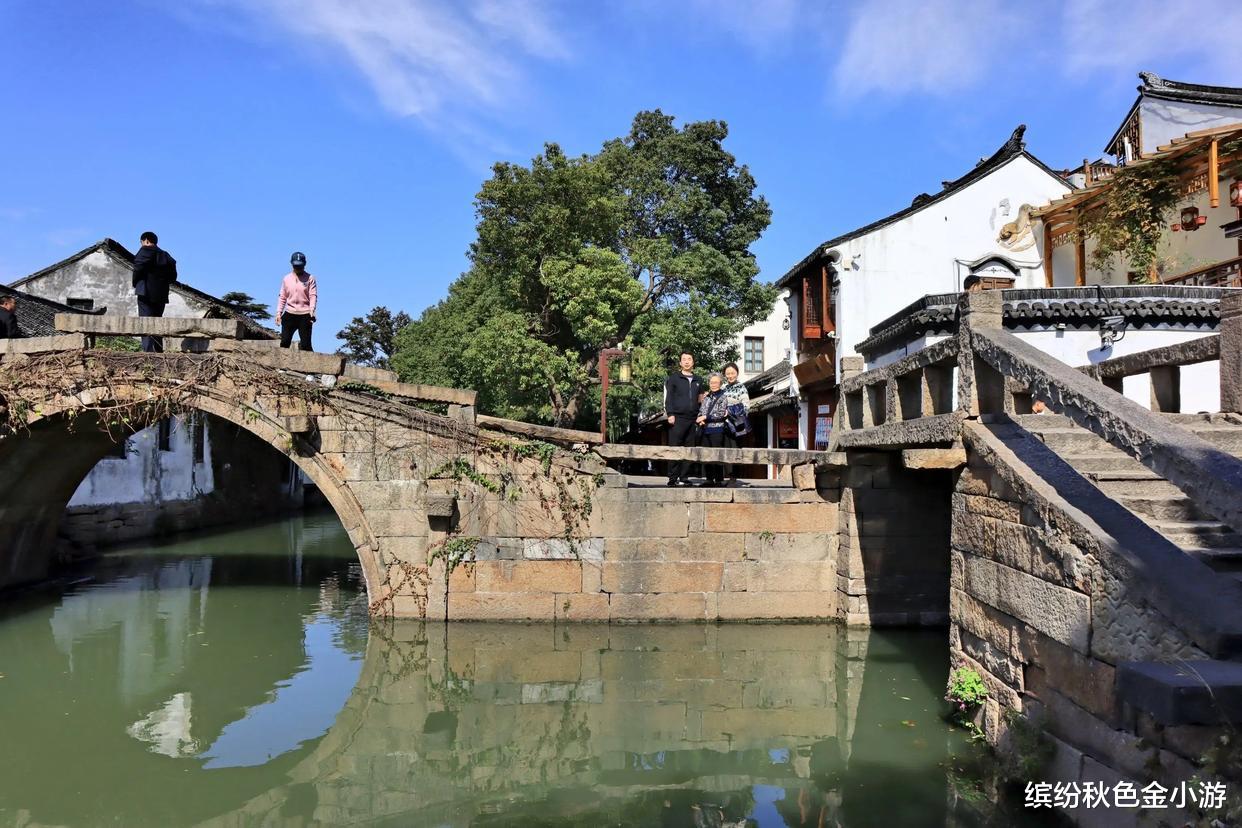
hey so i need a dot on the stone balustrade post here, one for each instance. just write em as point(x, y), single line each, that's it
point(1231, 352)
point(980, 388)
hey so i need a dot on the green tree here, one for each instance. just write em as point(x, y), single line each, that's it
point(369, 340)
point(245, 303)
point(644, 244)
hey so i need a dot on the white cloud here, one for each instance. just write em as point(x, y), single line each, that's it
point(425, 59)
point(760, 25)
point(1133, 35)
point(899, 46)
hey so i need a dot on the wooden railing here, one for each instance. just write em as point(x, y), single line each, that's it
point(1226, 274)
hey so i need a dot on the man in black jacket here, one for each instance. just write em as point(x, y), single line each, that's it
point(681, 406)
point(154, 271)
point(8, 318)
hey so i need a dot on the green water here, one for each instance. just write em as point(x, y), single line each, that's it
point(234, 680)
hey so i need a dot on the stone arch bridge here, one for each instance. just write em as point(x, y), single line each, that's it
point(419, 482)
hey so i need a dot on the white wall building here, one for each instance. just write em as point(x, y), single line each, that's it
point(157, 477)
point(977, 224)
point(765, 343)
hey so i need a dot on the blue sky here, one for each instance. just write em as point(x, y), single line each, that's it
point(358, 131)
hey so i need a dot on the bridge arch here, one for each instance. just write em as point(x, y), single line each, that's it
point(43, 461)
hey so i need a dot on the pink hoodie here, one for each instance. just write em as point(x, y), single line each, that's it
point(297, 296)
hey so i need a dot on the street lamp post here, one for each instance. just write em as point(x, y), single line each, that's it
point(622, 377)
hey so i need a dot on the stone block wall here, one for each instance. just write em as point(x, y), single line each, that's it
point(1044, 608)
point(655, 554)
point(893, 566)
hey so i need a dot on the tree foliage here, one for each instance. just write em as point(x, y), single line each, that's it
point(644, 244)
point(371, 339)
point(1133, 217)
point(244, 302)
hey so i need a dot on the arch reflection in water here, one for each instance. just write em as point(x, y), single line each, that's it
point(234, 680)
point(137, 696)
point(476, 724)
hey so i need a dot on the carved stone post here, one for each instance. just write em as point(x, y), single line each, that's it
point(980, 388)
point(1231, 352)
point(851, 366)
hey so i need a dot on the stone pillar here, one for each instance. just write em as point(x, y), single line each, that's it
point(1231, 352)
point(979, 386)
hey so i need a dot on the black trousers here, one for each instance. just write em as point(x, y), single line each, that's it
point(714, 472)
point(300, 322)
point(730, 469)
point(151, 344)
point(681, 433)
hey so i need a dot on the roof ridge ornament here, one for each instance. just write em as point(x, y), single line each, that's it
point(1152, 81)
point(1016, 142)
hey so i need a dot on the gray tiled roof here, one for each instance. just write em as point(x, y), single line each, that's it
point(1077, 307)
point(36, 316)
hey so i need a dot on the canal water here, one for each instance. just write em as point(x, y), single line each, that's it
point(233, 679)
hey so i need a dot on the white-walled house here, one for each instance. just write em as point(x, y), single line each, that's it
point(166, 477)
point(1169, 122)
point(1083, 315)
point(977, 224)
point(765, 343)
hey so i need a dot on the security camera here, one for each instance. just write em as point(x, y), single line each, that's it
point(1112, 330)
point(831, 335)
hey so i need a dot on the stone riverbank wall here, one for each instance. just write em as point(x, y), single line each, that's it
point(866, 544)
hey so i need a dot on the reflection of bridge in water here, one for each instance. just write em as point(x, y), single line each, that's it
point(480, 724)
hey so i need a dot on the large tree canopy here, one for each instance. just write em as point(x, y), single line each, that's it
point(645, 244)
point(371, 339)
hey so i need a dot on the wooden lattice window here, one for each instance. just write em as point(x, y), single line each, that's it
point(816, 305)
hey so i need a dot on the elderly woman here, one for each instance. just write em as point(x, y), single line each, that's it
point(713, 415)
point(739, 420)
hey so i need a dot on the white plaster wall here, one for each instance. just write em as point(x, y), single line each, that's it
point(148, 475)
point(776, 338)
point(106, 280)
point(1165, 120)
point(887, 269)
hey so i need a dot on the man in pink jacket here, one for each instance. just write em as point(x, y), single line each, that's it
point(295, 309)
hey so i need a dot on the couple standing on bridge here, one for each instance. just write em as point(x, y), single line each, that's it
point(155, 271)
point(715, 412)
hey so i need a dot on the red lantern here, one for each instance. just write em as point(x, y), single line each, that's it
point(1235, 193)
point(1191, 220)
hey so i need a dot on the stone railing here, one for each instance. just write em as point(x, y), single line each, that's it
point(1163, 365)
point(910, 402)
point(1003, 368)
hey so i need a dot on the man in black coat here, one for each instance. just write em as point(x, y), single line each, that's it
point(681, 405)
point(8, 318)
point(154, 271)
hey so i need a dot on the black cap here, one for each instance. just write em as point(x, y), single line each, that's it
point(298, 259)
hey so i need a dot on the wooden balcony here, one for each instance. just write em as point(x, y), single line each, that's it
point(1222, 274)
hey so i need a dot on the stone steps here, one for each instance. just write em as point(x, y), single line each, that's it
point(1159, 503)
point(1176, 508)
point(1227, 559)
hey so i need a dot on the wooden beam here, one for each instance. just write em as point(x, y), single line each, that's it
point(1047, 254)
point(1214, 173)
point(539, 432)
point(1080, 260)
